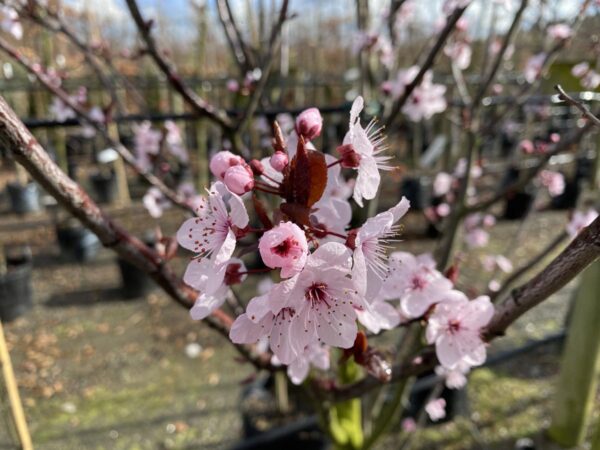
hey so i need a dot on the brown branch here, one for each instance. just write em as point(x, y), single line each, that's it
point(30, 154)
point(241, 53)
point(580, 106)
point(582, 251)
point(500, 56)
point(518, 273)
point(60, 26)
point(199, 105)
point(267, 63)
point(557, 148)
point(431, 56)
point(99, 127)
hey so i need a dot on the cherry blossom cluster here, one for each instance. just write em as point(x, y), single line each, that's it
point(163, 153)
point(326, 281)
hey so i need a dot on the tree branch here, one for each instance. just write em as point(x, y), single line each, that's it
point(437, 47)
point(199, 105)
point(580, 106)
point(99, 127)
point(29, 153)
point(582, 251)
point(234, 37)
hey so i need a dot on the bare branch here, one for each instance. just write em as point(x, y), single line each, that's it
point(500, 56)
point(437, 47)
point(557, 148)
point(265, 69)
point(29, 153)
point(240, 51)
point(83, 114)
point(200, 106)
point(582, 251)
point(580, 106)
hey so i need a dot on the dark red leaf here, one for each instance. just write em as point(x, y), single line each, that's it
point(261, 212)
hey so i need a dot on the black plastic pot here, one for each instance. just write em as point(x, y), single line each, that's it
point(518, 205)
point(77, 242)
point(15, 289)
point(295, 434)
point(568, 199)
point(24, 199)
point(135, 283)
point(417, 191)
point(104, 185)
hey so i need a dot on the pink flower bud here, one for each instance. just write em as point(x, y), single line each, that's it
point(223, 161)
point(527, 146)
point(309, 123)
point(279, 161)
point(284, 246)
point(239, 179)
point(350, 159)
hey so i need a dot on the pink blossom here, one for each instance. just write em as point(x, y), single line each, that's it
point(284, 246)
point(591, 80)
point(174, 141)
point(455, 327)
point(60, 111)
point(146, 142)
point(490, 262)
point(414, 280)
point(279, 161)
point(222, 161)
point(459, 53)
point(436, 409)
point(579, 70)
point(333, 212)
point(368, 144)
point(553, 181)
point(212, 233)
point(155, 202)
point(314, 354)
point(494, 285)
point(309, 124)
point(533, 67)
point(317, 305)
point(443, 210)
point(425, 100)
point(239, 179)
point(442, 184)
point(210, 280)
point(527, 146)
point(408, 425)
point(580, 220)
point(560, 31)
point(9, 22)
point(476, 238)
point(455, 378)
point(232, 85)
point(370, 245)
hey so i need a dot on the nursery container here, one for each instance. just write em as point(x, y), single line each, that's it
point(104, 186)
point(15, 288)
point(23, 198)
point(77, 242)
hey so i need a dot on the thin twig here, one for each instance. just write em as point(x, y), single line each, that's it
point(431, 56)
point(200, 106)
point(580, 106)
point(30, 154)
point(99, 127)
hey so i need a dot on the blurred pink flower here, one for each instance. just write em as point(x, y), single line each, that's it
point(436, 409)
point(580, 220)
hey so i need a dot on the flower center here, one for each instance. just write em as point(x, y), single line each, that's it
point(418, 283)
point(453, 326)
point(317, 293)
point(285, 247)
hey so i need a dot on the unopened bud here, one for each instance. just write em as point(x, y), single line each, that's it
point(279, 161)
point(222, 161)
point(309, 123)
point(239, 179)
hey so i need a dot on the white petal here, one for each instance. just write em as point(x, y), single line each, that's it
point(367, 181)
point(400, 209)
point(205, 305)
